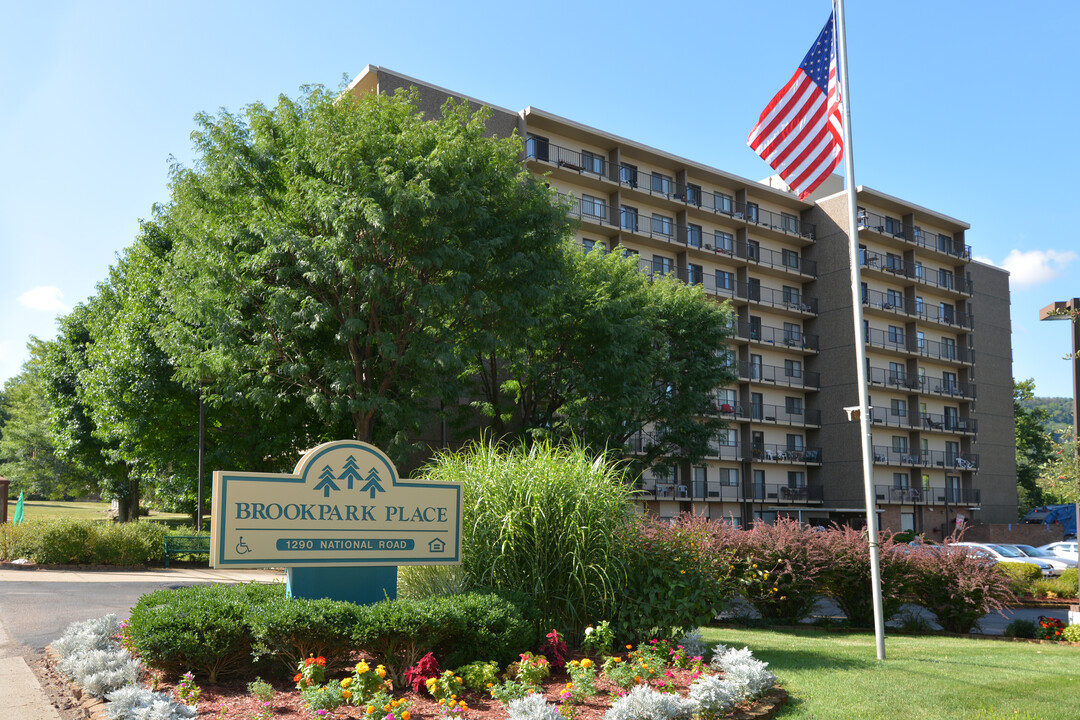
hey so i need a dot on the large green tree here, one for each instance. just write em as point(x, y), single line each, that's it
point(348, 255)
point(28, 456)
point(613, 352)
point(1033, 445)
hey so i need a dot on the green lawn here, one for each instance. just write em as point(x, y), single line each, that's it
point(835, 676)
point(48, 509)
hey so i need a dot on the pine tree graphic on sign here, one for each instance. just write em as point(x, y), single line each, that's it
point(372, 483)
point(351, 472)
point(326, 481)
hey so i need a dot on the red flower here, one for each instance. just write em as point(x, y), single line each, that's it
point(320, 660)
point(297, 678)
point(309, 662)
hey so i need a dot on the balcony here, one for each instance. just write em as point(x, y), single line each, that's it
point(781, 454)
point(783, 337)
point(771, 414)
point(895, 266)
point(948, 423)
point(927, 495)
point(777, 493)
point(765, 257)
point(926, 385)
point(776, 375)
point(892, 418)
point(771, 297)
point(913, 235)
point(899, 341)
point(720, 204)
point(886, 455)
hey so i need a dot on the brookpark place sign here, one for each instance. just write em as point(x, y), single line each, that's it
point(343, 506)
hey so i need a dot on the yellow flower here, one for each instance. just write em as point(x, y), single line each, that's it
point(370, 709)
point(458, 679)
point(616, 659)
point(586, 663)
point(362, 667)
point(629, 647)
point(754, 565)
point(346, 682)
point(453, 697)
point(442, 701)
point(569, 685)
point(490, 685)
point(394, 703)
point(346, 694)
point(380, 671)
point(682, 572)
point(429, 682)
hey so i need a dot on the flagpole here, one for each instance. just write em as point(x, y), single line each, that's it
point(860, 340)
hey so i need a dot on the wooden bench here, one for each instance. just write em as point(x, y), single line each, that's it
point(186, 545)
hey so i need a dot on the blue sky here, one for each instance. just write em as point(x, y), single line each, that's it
point(960, 112)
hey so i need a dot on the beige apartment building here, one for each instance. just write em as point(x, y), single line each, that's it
point(940, 383)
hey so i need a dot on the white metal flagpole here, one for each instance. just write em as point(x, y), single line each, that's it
point(860, 341)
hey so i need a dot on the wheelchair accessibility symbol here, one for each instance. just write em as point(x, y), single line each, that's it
point(242, 547)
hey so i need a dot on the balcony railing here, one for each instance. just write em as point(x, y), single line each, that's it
point(767, 452)
point(913, 234)
point(895, 265)
point(778, 493)
point(924, 311)
point(767, 257)
point(927, 495)
point(778, 414)
point(949, 423)
point(886, 301)
point(886, 455)
point(666, 187)
point(900, 341)
point(914, 383)
point(891, 418)
point(776, 298)
point(777, 336)
point(776, 375)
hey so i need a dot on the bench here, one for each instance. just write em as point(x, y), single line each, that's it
point(186, 545)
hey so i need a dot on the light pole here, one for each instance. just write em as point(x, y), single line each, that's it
point(1070, 310)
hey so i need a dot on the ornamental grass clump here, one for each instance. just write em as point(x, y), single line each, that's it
point(541, 519)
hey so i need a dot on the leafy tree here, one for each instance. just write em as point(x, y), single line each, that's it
point(613, 352)
point(1059, 475)
point(1033, 445)
point(27, 451)
point(341, 254)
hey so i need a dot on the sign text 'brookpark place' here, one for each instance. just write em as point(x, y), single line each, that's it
point(342, 505)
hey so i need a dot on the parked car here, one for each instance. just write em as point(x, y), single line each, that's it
point(1007, 555)
point(1065, 549)
point(1060, 564)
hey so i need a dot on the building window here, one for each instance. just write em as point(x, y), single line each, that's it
point(536, 147)
point(662, 183)
point(944, 243)
point(662, 225)
point(795, 443)
point(752, 212)
point(793, 368)
point(796, 479)
point(791, 259)
point(899, 444)
point(948, 383)
point(628, 174)
point(694, 274)
point(952, 418)
point(693, 235)
point(907, 522)
point(894, 263)
point(592, 162)
point(661, 265)
point(753, 250)
point(896, 335)
point(791, 295)
point(948, 348)
point(628, 218)
point(725, 242)
point(862, 255)
point(723, 203)
point(789, 223)
point(793, 405)
point(898, 408)
point(952, 488)
point(693, 195)
point(945, 278)
point(921, 339)
point(729, 477)
point(893, 226)
point(894, 299)
point(593, 206)
point(896, 373)
point(591, 245)
point(947, 312)
point(900, 481)
point(725, 280)
point(728, 437)
point(792, 333)
point(918, 270)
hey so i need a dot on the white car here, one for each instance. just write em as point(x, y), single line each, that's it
point(1060, 564)
point(1007, 555)
point(1065, 549)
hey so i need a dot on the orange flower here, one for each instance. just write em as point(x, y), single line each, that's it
point(405, 715)
point(320, 660)
point(309, 662)
point(297, 678)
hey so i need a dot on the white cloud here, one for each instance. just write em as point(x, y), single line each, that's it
point(46, 298)
point(1035, 267)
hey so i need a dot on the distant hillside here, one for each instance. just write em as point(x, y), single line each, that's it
point(1058, 409)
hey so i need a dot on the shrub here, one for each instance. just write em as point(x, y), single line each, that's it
point(1071, 633)
point(479, 675)
point(1061, 587)
point(540, 519)
point(532, 707)
point(64, 541)
point(846, 577)
point(1050, 628)
point(1021, 576)
point(744, 670)
point(138, 703)
point(786, 562)
point(714, 696)
point(291, 629)
point(958, 588)
point(676, 578)
point(1020, 628)
point(644, 703)
point(425, 669)
point(200, 628)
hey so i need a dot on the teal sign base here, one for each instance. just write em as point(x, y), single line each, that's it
point(360, 585)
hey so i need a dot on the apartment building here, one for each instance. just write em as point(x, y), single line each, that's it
point(940, 447)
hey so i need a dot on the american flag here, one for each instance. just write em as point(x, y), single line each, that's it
point(800, 132)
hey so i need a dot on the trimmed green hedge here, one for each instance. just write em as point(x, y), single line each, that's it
point(64, 541)
point(1022, 576)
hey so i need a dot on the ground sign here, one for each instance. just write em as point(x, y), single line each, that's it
point(342, 507)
